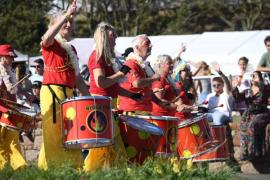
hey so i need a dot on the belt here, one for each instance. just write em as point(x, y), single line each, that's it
point(54, 97)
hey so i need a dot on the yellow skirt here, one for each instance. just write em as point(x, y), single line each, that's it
point(105, 157)
point(52, 151)
point(10, 151)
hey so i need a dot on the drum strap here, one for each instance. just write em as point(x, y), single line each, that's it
point(54, 97)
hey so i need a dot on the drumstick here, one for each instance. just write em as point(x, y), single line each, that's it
point(221, 105)
point(17, 83)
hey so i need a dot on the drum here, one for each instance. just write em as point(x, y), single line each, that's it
point(14, 120)
point(87, 122)
point(140, 137)
point(221, 152)
point(167, 145)
point(194, 137)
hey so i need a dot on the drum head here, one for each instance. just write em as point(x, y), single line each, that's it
point(191, 121)
point(86, 98)
point(161, 118)
point(142, 125)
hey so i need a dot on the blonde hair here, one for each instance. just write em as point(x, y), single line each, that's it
point(54, 17)
point(103, 47)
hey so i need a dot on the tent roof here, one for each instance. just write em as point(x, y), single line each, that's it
point(223, 47)
point(21, 56)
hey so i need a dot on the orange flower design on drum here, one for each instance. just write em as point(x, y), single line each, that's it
point(195, 129)
point(70, 114)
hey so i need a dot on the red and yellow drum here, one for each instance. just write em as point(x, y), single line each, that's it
point(15, 120)
point(87, 122)
point(167, 145)
point(221, 152)
point(140, 137)
point(194, 137)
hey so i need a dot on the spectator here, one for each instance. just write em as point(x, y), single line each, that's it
point(39, 70)
point(220, 101)
point(264, 64)
point(202, 85)
point(254, 119)
point(241, 83)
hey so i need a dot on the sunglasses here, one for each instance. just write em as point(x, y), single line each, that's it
point(217, 85)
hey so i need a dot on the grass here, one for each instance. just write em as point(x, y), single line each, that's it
point(151, 169)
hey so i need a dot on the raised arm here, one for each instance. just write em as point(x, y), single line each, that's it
point(48, 37)
point(227, 84)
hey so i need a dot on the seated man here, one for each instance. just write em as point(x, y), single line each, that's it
point(220, 100)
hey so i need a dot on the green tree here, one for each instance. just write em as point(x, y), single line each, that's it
point(23, 22)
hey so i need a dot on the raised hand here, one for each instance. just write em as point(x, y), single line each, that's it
point(72, 9)
point(216, 66)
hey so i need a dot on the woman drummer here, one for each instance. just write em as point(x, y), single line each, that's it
point(10, 152)
point(163, 89)
point(61, 76)
point(104, 78)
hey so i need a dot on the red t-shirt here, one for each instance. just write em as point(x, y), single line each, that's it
point(128, 104)
point(169, 95)
point(111, 91)
point(183, 115)
point(55, 56)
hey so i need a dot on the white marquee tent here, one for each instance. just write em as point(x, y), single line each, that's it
point(223, 47)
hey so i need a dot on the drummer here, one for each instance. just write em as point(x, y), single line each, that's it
point(10, 152)
point(164, 89)
point(61, 76)
point(187, 94)
point(104, 78)
point(137, 80)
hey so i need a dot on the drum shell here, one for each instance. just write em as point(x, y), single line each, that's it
point(194, 137)
point(87, 122)
point(16, 121)
point(221, 152)
point(139, 141)
point(167, 145)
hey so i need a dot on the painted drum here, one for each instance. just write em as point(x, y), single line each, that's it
point(221, 152)
point(194, 137)
point(140, 137)
point(167, 145)
point(15, 120)
point(87, 122)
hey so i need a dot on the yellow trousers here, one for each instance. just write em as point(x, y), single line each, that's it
point(105, 157)
point(52, 151)
point(10, 151)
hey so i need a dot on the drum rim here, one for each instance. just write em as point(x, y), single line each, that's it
point(190, 121)
point(85, 98)
point(201, 153)
point(167, 118)
point(214, 149)
point(74, 143)
point(158, 131)
point(9, 127)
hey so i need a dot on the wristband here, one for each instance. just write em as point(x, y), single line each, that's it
point(125, 69)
